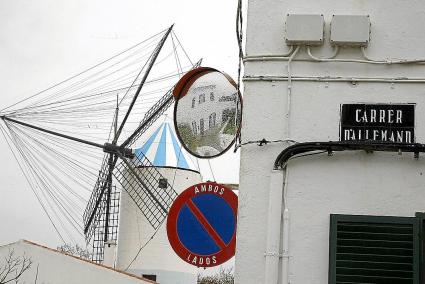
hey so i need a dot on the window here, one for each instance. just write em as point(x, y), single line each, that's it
point(211, 96)
point(193, 102)
point(149, 276)
point(212, 121)
point(201, 126)
point(194, 128)
point(374, 249)
point(228, 114)
point(163, 183)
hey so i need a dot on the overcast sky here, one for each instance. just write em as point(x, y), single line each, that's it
point(45, 41)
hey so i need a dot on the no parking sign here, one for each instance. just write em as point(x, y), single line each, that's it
point(201, 224)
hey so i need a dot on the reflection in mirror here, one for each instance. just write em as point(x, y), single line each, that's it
point(207, 114)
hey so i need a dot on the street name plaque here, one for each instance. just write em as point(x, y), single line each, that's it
point(378, 122)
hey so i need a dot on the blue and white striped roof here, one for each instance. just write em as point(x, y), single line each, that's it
point(164, 150)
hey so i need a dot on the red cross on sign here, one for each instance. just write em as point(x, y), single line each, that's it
point(201, 224)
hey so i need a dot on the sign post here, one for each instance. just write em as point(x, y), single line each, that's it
point(201, 224)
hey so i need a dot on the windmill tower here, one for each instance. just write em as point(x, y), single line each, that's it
point(156, 259)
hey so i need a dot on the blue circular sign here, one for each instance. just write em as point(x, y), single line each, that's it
point(201, 225)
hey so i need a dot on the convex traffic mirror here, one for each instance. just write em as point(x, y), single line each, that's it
point(207, 112)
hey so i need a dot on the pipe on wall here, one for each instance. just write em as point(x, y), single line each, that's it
point(337, 146)
point(268, 78)
point(277, 196)
point(332, 59)
point(274, 230)
point(285, 247)
point(274, 215)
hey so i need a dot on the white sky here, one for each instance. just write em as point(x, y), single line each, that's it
point(45, 41)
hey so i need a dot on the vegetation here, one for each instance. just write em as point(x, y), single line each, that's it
point(13, 267)
point(187, 135)
point(230, 124)
point(211, 138)
point(224, 276)
point(75, 251)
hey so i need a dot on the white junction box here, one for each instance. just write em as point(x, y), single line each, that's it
point(350, 30)
point(304, 29)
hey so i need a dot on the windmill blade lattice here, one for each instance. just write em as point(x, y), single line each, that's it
point(108, 213)
point(96, 197)
point(143, 188)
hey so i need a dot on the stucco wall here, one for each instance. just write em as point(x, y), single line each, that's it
point(348, 183)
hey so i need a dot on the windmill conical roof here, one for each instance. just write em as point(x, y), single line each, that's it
point(163, 149)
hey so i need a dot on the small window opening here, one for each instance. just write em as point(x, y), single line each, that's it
point(149, 276)
point(163, 183)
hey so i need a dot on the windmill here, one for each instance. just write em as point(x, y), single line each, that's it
point(119, 162)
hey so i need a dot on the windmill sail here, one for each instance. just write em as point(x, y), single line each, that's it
point(96, 196)
point(50, 132)
point(110, 228)
point(143, 189)
point(104, 181)
point(150, 117)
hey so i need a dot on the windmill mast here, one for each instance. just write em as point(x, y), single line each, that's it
point(154, 56)
point(113, 158)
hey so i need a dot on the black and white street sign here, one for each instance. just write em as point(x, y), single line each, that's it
point(378, 122)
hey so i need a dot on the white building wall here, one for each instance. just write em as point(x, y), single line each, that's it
point(56, 267)
point(109, 253)
point(317, 186)
point(349, 183)
point(157, 258)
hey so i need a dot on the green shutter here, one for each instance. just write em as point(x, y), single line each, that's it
point(421, 217)
point(373, 249)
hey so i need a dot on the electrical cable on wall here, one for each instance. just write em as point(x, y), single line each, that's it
point(239, 38)
point(264, 142)
point(312, 58)
point(289, 92)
